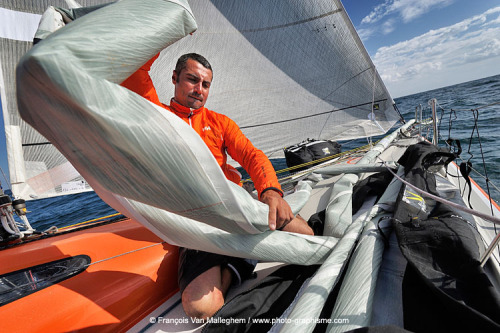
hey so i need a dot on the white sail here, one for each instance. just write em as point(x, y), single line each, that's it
point(148, 163)
point(283, 70)
point(37, 169)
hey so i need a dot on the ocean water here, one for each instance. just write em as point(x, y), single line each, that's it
point(462, 98)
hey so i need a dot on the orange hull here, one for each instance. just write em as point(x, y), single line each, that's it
point(131, 273)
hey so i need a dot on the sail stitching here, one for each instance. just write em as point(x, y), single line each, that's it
point(292, 23)
point(313, 115)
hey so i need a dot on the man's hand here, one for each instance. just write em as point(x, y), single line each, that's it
point(280, 213)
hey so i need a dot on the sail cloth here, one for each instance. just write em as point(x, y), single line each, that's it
point(143, 161)
point(37, 169)
point(292, 69)
point(285, 71)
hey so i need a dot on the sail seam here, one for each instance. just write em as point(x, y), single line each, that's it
point(36, 144)
point(292, 23)
point(314, 115)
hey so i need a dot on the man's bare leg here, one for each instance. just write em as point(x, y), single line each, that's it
point(204, 296)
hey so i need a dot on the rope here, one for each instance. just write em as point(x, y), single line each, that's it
point(6, 179)
point(492, 219)
point(124, 253)
point(476, 128)
point(311, 115)
point(93, 220)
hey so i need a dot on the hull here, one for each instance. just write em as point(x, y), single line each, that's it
point(130, 283)
point(131, 273)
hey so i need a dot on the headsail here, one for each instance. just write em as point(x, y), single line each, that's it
point(37, 169)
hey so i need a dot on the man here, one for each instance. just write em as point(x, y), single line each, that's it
point(204, 278)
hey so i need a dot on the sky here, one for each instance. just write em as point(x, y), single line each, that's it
point(417, 45)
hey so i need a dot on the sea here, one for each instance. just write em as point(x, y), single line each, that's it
point(467, 113)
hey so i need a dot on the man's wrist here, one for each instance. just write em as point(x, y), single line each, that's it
point(275, 189)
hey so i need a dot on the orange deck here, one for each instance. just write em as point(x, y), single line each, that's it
point(131, 273)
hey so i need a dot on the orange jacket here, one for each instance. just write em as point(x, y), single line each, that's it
point(219, 132)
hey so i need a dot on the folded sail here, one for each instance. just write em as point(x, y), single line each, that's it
point(283, 70)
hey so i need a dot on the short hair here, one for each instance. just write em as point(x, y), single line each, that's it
point(181, 62)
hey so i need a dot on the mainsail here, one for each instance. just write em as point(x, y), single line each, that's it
point(283, 70)
point(152, 166)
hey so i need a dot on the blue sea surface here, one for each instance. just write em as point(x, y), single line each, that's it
point(72, 209)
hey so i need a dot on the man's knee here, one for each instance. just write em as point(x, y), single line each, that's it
point(203, 307)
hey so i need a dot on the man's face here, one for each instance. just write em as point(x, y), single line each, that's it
point(192, 85)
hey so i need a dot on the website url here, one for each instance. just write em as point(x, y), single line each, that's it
point(301, 321)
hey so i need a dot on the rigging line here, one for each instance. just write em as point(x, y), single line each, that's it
point(6, 179)
point(486, 179)
point(471, 137)
point(332, 92)
point(293, 23)
point(312, 115)
point(89, 221)
point(450, 122)
point(440, 118)
point(373, 99)
point(324, 125)
point(492, 219)
point(345, 82)
point(401, 118)
point(124, 253)
point(476, 117)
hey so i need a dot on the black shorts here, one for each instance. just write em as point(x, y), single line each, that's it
point(193, 263)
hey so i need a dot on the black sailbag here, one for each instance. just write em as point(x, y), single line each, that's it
point(444, 288)
point(310, 152)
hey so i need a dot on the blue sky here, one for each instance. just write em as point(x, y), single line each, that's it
point(418, 45)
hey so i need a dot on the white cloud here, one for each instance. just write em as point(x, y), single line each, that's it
point(407, 10)
point(364, 34)
point(441, 53)
point(410, 10)
point(388, 27)
point(377, 13)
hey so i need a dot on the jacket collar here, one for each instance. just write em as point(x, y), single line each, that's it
point(183, 111)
